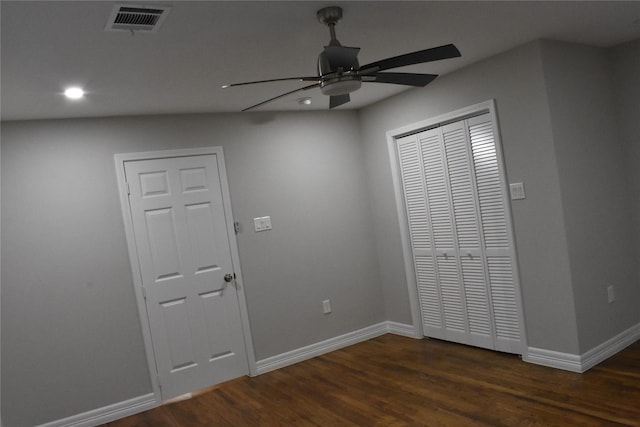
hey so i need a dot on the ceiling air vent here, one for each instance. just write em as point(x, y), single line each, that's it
point(136, 18)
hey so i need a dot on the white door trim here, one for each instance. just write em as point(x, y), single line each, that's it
point(407, 253)
point(120, 160)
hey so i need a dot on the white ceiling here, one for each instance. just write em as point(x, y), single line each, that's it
point(47, 45)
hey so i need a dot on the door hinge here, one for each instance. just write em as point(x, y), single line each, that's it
point(144, 293)
point(127, 188)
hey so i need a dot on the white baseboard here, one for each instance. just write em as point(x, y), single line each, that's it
point(402, 329)
point(610, 347)
point(553, 359)
point(148, 401)
point(539, 356)
point(108, 413)
point(584, 362)
point(332, 344)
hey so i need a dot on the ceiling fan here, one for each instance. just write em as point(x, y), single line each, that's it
point(339, 72)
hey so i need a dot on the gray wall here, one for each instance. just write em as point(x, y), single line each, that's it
point(626, 84)
point(71, 337)
point(0, 291)
point(515, 80)
point(71, 334)
point(596, 192)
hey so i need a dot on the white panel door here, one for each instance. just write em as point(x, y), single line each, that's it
point(184, 254)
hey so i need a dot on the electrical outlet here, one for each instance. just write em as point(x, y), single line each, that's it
point(326, 306)
point(611, 294)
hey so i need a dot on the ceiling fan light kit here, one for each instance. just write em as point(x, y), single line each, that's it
point(340, 85)
point(339, 72)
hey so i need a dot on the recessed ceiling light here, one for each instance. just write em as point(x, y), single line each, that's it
point(74, 93)
point(304, 101)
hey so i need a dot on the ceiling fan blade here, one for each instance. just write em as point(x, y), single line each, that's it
point(301, 79)
point(409, 79)
point(338, 100)
point(427, 55)
point(282, 96)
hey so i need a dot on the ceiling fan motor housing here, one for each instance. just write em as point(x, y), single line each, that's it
point(338, 70)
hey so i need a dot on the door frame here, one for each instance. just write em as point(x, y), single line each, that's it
point(407, 251)
point(120, 160)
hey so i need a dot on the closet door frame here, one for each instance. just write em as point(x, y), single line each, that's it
point(407, 251)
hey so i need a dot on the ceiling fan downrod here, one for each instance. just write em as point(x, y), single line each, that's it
point(337, 65)
point(330, 17)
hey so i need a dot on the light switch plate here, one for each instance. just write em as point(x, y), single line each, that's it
point(517, 191)
point(262, 223)
point(326, 306)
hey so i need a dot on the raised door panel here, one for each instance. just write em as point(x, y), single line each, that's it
point(203, 238)
point(178, 335)
point(166, 258)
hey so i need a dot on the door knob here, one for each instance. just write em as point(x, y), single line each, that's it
point(228, 277)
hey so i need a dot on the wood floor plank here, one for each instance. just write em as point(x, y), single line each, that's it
point(397, 381)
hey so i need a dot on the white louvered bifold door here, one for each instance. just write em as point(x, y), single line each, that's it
point(496, 230)
point(421, 237)
point(445, 253)
point(460, 235)
point(468, 238)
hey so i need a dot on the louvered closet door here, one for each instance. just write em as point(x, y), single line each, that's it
point(498, 242)
point(469, 254)
point(446, 259)
point(413, 181)
point(455, 202)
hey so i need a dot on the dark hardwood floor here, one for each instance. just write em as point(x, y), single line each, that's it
point(398, 381)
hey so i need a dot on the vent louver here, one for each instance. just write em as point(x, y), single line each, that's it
point(136, 18)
